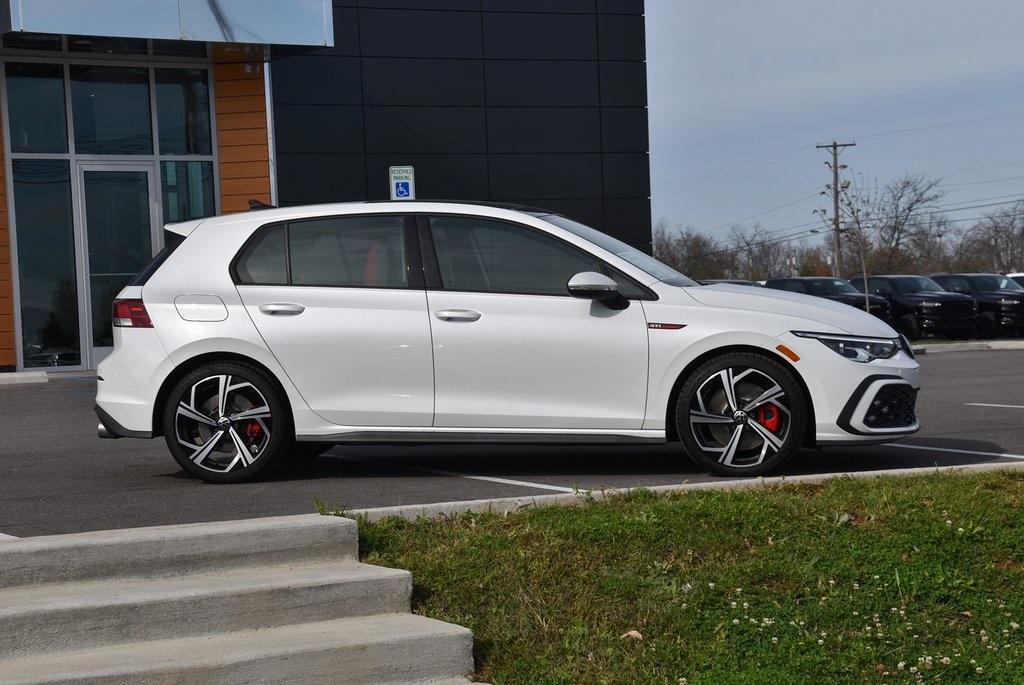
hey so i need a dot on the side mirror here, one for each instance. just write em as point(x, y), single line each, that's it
point(590, 285)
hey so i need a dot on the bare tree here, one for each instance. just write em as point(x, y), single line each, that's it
point(897, 225)
point(995, 243)
point(691, 252)
point(759, 255)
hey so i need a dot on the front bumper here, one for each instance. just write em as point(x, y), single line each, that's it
point(882, 405)
point(947, 324)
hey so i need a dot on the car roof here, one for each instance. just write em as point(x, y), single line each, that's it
point(807, 278)
point(270, 214)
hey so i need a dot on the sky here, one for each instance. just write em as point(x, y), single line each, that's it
point(740, 91)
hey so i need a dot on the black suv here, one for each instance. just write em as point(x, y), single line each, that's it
point(835, 289)
point(1000, 301)
point(921, 307)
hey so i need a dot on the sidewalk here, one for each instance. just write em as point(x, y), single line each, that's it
point(972, 346)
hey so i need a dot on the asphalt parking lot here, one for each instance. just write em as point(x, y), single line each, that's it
point(56, 476)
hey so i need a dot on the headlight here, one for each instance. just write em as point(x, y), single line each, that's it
point(856, 349)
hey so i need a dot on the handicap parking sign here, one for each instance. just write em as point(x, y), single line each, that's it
point(403, 182)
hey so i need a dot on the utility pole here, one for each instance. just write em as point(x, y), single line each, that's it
point(835, 147)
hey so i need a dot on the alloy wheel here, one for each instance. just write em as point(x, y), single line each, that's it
point(224, 423)
point(740, 416)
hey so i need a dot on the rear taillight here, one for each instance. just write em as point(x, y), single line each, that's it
point(131, 314)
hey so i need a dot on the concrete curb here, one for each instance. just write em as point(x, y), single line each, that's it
point(23, 377)
point(504, 505)
point(975, 346)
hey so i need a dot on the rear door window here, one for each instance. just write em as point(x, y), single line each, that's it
point(359, 251)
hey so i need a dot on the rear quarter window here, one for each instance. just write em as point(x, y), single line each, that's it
point(263, 260)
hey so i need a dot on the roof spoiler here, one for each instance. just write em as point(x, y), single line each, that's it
point(256, 205)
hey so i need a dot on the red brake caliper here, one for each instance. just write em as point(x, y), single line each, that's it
point(253, 432)
point(768, 416)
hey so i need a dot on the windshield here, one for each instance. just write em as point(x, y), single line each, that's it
point(640, 260)
point(916, 284)
point(829, 286)
point(993, 282)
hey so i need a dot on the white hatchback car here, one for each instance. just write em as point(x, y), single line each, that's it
point(422, 322)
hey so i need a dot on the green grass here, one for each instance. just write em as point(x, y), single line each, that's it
point(851, 581)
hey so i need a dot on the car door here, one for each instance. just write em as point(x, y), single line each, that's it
point(340, 303)
point(512, 348)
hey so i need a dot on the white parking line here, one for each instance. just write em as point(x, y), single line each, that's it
point(456, 474)
point(947, 449)
point(7, 537)
point(1002, 406)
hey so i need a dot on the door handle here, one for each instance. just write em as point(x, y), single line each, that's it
point(457, 315)
point(282, 309)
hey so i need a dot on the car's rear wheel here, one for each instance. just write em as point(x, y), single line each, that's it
point(227, 422)
point(741, 414)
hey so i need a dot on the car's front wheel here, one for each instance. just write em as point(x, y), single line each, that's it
point(741, 414)
point(227, 422)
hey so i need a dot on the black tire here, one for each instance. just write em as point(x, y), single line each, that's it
point(266, 436)
point(910, 327)
point(987, 327)
point(716, 425)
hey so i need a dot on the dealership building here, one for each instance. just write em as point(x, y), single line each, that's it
point(122, 115)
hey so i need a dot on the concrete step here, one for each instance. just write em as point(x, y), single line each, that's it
point(172, 550)
point(41, 618)
point(388, 648)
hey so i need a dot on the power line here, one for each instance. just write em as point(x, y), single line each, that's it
point(835, 148)
point(767, 211)
point(755, 204)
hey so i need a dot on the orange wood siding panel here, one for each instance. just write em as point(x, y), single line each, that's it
point(242, 147)
point(7, 356)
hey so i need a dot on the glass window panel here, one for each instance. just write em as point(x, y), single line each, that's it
point(366, 251)
point(490, 256)
point(32, 41)
point(187, 190)
point(118, 228)
point(107, 46)
point(35, 107)
point(179, 48)
point(183, 112)
point(263, 260)
point(46, 262)
point(111, 110)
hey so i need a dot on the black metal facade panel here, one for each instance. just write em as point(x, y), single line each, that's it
point(542, 102)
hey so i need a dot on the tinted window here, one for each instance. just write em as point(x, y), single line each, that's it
point(492, 256)
point(366, 251)
point(916, 284)
point(958, 284)
point(46, 262)
point(263, 260)
point(111, 106)
point(183, 111)
point(879, 284)
point(790, 285)
point(187, 189)
point(993, 282)
point(35, 106)
point(640, 260)
point(828, 286)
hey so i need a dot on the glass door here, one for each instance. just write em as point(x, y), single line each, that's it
point(119, 229)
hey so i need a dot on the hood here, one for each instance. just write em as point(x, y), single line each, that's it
point(993, 295)
point(944, 296)
point(856, 299)
point(821, 314)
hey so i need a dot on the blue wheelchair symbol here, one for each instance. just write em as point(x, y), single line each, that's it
point(401, 189)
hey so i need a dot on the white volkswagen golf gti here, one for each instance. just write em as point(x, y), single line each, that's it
point(255, 337)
